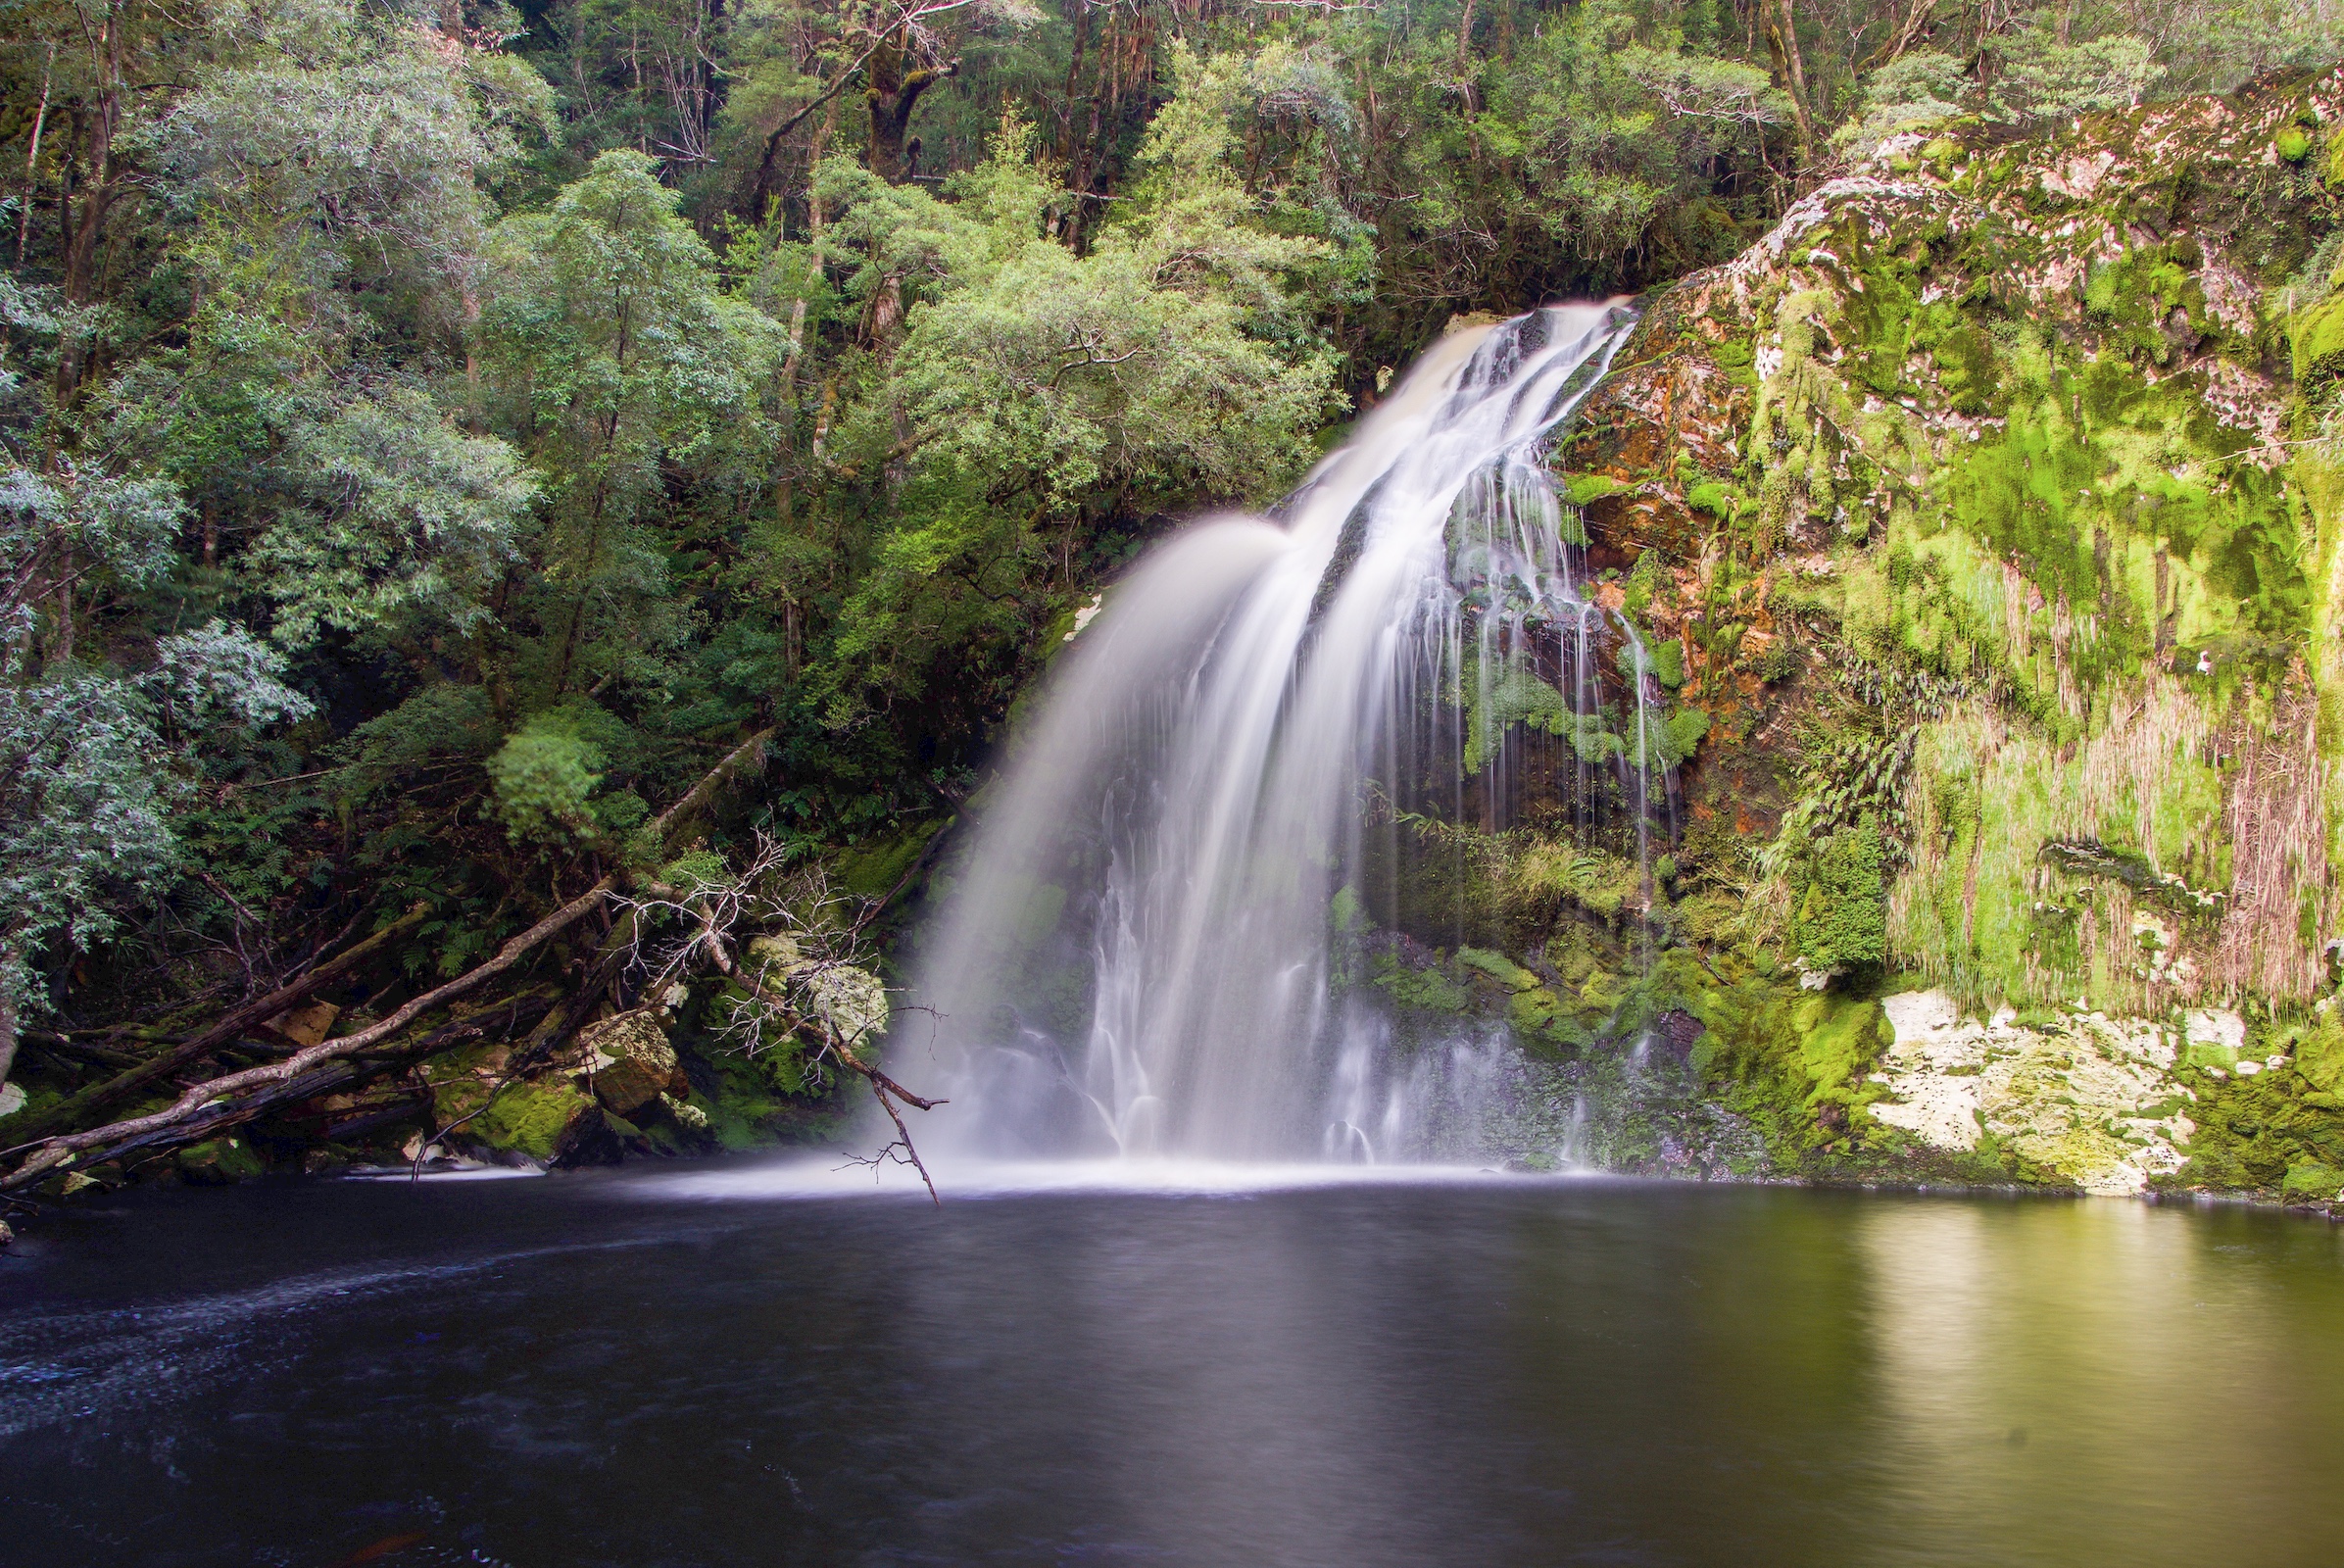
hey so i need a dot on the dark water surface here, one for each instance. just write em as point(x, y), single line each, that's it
point(594, 1370)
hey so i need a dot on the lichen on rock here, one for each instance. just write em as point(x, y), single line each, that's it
point(851, 1001)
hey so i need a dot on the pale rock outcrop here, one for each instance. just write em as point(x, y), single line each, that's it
point(2091, 1098)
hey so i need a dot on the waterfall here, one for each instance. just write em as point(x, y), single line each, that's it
point(1139, 953)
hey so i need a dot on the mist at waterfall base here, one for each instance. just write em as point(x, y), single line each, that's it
point(1139, 958)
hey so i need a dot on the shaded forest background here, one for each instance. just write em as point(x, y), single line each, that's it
point(437, 437)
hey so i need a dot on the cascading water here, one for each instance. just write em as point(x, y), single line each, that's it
point(1140, 953)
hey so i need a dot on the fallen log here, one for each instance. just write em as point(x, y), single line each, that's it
point(192, 1117)
point(230, 1027)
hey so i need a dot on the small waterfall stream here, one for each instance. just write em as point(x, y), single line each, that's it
point(1137, 955)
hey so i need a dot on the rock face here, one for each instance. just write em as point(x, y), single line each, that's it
point(1980, 504)
point(2084, 1097)
point(1970, 476)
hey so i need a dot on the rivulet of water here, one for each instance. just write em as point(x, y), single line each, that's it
point(1135, 957)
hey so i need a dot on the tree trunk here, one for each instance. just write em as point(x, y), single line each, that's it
point(7, 1021)
point(891, 92)
point(105, 184)
point(1783, 43)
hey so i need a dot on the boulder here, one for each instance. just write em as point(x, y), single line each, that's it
point(307, 1025)
point(631, 1063)
point(852, 1000)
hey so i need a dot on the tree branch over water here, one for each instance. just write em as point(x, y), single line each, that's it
point(183, 1120)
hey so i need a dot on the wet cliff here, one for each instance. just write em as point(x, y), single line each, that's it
point(1985, 520)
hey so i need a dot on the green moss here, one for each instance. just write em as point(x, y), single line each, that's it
point(1515, 697)
point(219, 1161)
point(1738, 357)
point(2317, 338)
point(1498, 967)
point(1539, 1015)
point(874, 868)
point(2320, 1053)
point(2253, 1132)
point(1839, 1040)
point(2312, 1183)
point(1429, 990)
point(2293, 144)
point(1797, 1064)
point(1714, 497)
point(530, 1116)
point(2096, 475)
point(1644, 579)
point(1583, 488)
point(1842, 919)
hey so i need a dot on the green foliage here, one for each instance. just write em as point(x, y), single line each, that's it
point(619, 358)
point(1517, 697)
point(1430, 989)
point(412, 524)
point(544, 776)
point(552, 468)
point(1548, 873)
point(1842, 918)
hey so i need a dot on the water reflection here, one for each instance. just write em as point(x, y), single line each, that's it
point(2104, 1381)
point(1474, 1372)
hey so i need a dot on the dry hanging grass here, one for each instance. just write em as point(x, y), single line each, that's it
point(2275, 931)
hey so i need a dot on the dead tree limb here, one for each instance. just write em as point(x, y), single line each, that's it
point(231, 1026)
point(832, 1044)
point(171, 1122)
point(346, 1072)
point(62, 1150)
point(749, 750)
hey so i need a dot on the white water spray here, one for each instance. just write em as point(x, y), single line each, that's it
point(1136, 958)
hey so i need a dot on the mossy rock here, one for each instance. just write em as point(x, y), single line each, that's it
point(220, 1162)
point(2319, 1054)
point(873, 868)
point(1429, 990)
point(2310, 1181)
point(537, 1118)
point(631, 1063)
point(852, 1000)
point(2293, 144)
point(2317, 337)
